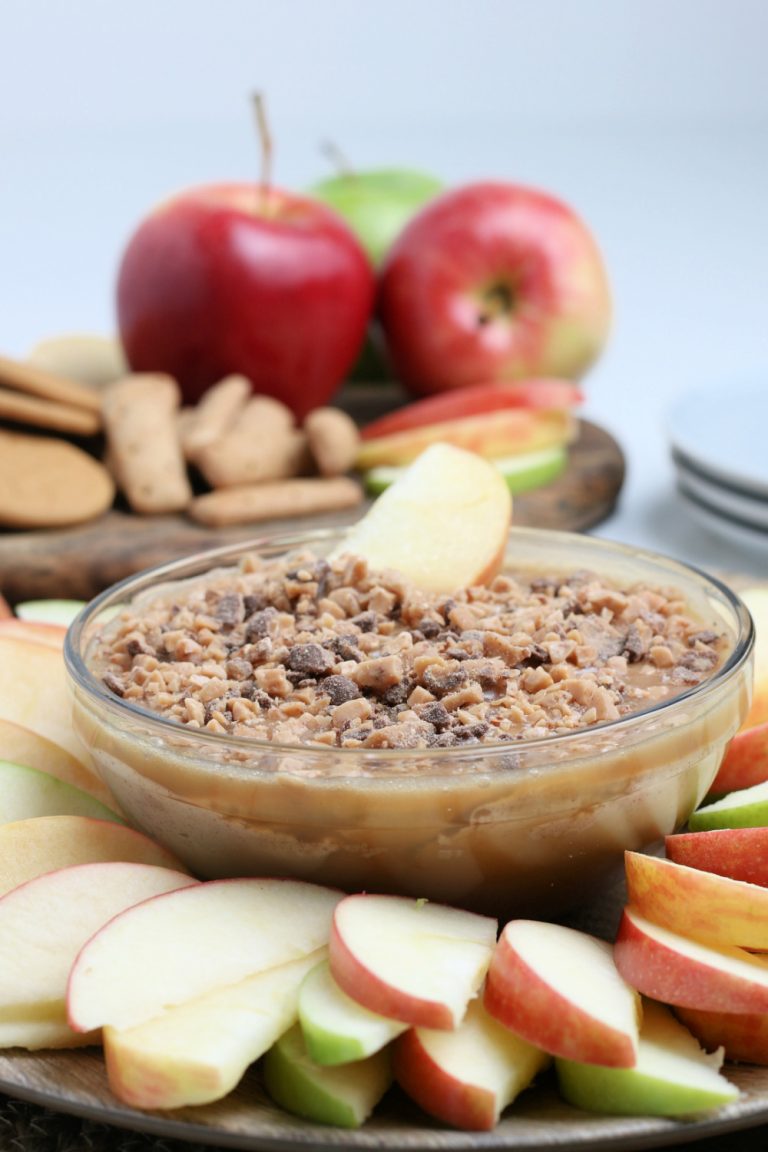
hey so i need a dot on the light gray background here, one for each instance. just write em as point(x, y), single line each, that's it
point(649, 116)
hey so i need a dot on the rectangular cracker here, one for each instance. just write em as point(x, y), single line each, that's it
point(300, 496)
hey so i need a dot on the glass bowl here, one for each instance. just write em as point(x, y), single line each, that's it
point(522, 828)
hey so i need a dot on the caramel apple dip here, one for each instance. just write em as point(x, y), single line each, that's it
point(306, 650)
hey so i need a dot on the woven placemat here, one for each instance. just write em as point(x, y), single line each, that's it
point(28, 1128)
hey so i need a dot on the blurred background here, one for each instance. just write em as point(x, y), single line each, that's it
point(650, 117)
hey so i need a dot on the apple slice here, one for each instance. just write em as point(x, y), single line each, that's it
point(706, 907)
point(23, 746)
point(336, 1028)
point(476, 400)
point(560, 990)
point(490, 434)
point(443, 525)
point(44, 924)
point(744, 808)
point(673, 1076)
point(57, 612)
point(27, 792)
point(745, 763)
point(521, 472)
point(197, 1052)
point(741, 853)
point(756, 600)
point(5, 608)
point(743, 1035)
point(414, 961)
point(28, 848)
point(34, 631)
point(34, 693)
point(181, 946)
point(677, 970)
point(466, 1077)
point(343, 1096)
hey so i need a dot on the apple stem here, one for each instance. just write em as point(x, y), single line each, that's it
point(333, 153)
point(265, 143)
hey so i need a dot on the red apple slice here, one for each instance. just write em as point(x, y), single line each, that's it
point(23, 746)
point(745, 763)
point(28, 848)
point(468, 1076)
point(492, 434)
point(741, 853)
point(559, 989)
point(34, 693)
point(43, 925)
point(410, 960)
point(443, 525)
point(35, 630)
point(5, 608)
point(714, 909)
point(197, 1052)
point(679, 971)
point(170, 951)
point(459, 403)
point(743, 1035)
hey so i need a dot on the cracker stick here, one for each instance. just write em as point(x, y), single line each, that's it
point(333, 440)
point(263, 444)
point(304, 496)
point(143, 443)
point(214, 414)
point(37, 382)
point(48, 414)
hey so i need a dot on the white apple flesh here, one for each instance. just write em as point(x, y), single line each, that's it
point(44, 924)
point(442, 525)
point(673, 1076)
point(336, 1028)
point(23, 746)
point(343, 1096)
point(28, 792)
point(745, 808)
point(560, 989)
point(185, 945)
point(196, 1052)
point(468, 1076)
point(28, 848)
point(411, 960)
point(34, 692)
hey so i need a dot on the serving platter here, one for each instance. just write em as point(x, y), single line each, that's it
point(75, 1083)
point(79, 562)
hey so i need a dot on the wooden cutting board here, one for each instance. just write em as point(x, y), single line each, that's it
point(80, 562)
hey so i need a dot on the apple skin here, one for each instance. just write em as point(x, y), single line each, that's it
point(377, 204)
point(676, 970)
point(228, 279)
point(741, 853)
point(743, 1035)
point(493, 281)
point(744, 808)
point(715, 909)
point(745, 763)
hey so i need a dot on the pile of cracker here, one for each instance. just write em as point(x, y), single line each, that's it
point(234, 458)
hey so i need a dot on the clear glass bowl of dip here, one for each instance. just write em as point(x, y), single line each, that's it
point(522, 828)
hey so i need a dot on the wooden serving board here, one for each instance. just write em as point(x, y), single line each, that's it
point(79, 562)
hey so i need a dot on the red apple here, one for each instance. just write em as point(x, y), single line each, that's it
point(746, 761)
point(493, 281)
point(740, 853)
point(237, 278)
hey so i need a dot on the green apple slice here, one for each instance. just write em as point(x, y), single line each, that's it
point(522, 472)
point(336, 1028)
point(49, 611)
point(28, 792)
point(744, 808)
point(343, 1096)
point(673, 1076)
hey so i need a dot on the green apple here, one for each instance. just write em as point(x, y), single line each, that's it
point(336, 1028)
point(49, 611)
point(28, 792)
point(378, 203)
point(522, 472)
point(673, 1076)
point(343, 1096)
point(744, 808)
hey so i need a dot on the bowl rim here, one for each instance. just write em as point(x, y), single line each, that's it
point(198, 563)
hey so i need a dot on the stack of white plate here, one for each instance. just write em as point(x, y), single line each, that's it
point(719, 443)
